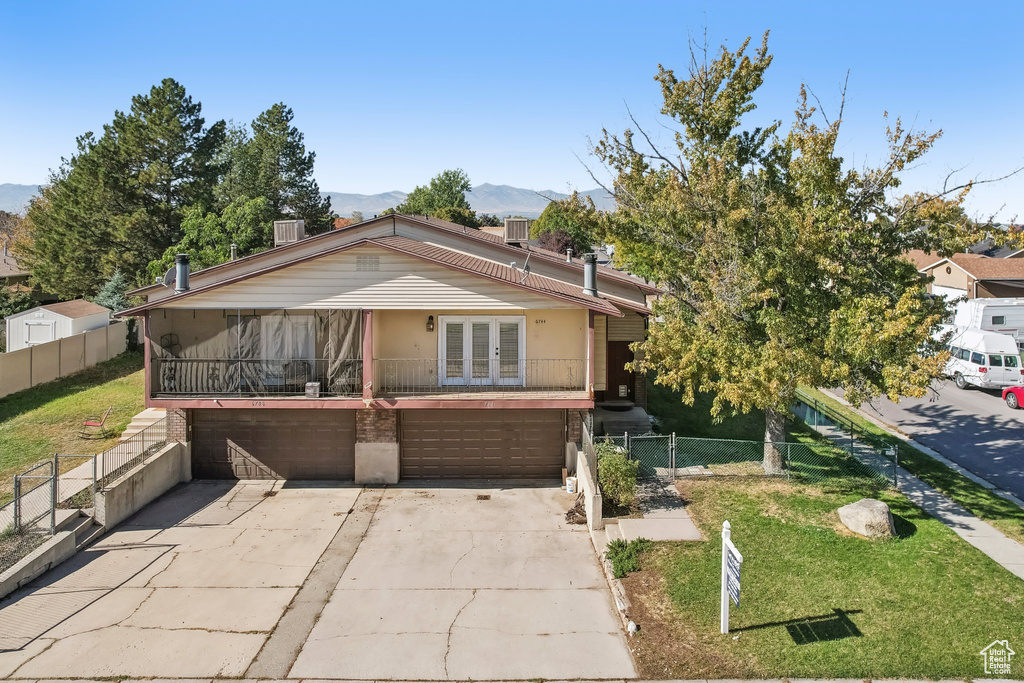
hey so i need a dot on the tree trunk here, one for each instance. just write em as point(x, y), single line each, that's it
point(774, 432)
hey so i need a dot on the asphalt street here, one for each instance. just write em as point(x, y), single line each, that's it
point(974, 428)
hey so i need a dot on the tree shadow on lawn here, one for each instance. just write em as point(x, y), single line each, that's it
point(836, 625)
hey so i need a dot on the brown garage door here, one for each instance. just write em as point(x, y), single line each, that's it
point(273, 444)
point(486, 444)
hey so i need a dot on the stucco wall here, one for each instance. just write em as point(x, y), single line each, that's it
point(955, 278)
point(551, 334)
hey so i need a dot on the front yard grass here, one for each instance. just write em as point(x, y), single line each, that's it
point(980, 501)
point(818, 601)
point(47, 419)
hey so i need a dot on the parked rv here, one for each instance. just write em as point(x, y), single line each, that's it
point(1005, 316)
point(989, 360)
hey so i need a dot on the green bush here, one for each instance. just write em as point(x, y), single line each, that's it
point(625, 557)
point(616, 474)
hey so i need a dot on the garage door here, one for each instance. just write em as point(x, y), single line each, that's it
point(273, 444)
point(948, 292)
point(483, 444)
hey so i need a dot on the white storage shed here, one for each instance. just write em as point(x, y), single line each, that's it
point(54, 321)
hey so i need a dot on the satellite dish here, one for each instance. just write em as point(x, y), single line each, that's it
point(169, 277)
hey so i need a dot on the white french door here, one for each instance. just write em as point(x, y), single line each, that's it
point(483, 350)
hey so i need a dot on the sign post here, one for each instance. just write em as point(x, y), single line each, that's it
point(731, 564)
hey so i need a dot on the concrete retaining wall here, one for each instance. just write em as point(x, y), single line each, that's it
point(593, 504)
point(26, 368)
point(142, 485)
point(60, 547)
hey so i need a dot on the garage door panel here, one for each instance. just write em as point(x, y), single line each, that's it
point(273, 444)
point(482, 444)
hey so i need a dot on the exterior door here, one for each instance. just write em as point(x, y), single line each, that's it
point(621, 384)
point(481, 350)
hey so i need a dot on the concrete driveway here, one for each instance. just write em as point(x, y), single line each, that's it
point(266, 580)
point(470, 583)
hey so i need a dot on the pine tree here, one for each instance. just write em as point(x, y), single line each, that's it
point(118, 202)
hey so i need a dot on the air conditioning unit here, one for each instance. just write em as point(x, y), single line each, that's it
point(517, 230)
point(286, 232)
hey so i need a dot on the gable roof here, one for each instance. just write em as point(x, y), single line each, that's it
point(448, 258)
point(79, 308)
point(978, 266)
point(470, 234)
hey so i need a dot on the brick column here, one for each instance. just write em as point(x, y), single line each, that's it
point(377, 452)
point(177, 425)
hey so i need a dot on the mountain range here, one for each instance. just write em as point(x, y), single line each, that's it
point(501, 200)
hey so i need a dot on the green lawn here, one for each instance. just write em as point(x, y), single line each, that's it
point(997, 511)
point(817, 600)
point(47, 419)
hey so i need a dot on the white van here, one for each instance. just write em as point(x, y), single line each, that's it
point(984, 359)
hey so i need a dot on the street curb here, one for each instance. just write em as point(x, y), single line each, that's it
point(930, 452)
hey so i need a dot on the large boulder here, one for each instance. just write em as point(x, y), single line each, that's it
point(868, 517)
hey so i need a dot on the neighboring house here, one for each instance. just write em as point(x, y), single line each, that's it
point(12, 275)
point(54, 321)
point(988, 247)
point(971, 275)
point(399, 347)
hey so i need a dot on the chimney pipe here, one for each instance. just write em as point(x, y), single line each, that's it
point(180, 273)
point(590, 274)
point(568, 255)
point(234, 251)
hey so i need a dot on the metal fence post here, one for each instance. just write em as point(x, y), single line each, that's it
point(672, 453)
point(17, 502)
point(896, 466)
point(53, 496)
point(625, 444)
point(94, 479)
point(789, 464)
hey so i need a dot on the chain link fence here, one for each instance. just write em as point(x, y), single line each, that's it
point(671, 457)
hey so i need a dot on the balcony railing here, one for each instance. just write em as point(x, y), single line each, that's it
point(451, 377)
point(226, 377)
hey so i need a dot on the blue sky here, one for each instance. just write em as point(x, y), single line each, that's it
point(388, 94)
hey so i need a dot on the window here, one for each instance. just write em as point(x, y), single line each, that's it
point(977, 358)
point(999, 320)
point(955, 350)
point(1011, 361)
point(965, 354)
point(995, 361)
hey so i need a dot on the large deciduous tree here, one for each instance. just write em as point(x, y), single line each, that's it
point(783, 266)
point(118, 202)
point(566, 223)
point(444, 197)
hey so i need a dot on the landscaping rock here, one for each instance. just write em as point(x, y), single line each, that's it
point(868, 517)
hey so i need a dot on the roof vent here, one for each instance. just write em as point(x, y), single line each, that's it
point(286, 232)
point(517, 230)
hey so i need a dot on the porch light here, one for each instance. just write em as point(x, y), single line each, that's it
point(430, 323)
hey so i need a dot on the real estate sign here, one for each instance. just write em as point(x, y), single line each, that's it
point(732, 562)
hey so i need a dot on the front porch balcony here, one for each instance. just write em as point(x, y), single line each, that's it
point(256, 378)
point(440, 378)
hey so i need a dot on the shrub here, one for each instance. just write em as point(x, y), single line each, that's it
point(625, 557)
point(616, 474)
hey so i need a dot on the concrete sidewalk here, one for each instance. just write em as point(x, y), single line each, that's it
point(982, 535)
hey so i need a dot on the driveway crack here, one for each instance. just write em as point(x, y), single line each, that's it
point(451, 627)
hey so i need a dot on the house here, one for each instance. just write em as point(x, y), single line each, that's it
point(988, 247)
point(972, 275)
point(12, 275)
point(399, 347)
point(54, 321)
